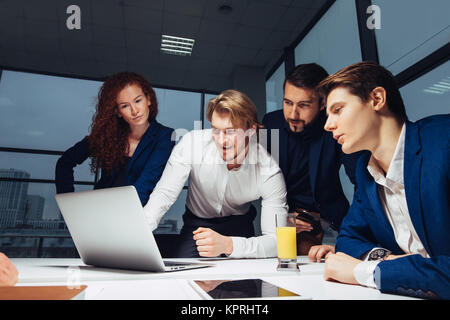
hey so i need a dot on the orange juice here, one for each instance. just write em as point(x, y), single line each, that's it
point(286, 243)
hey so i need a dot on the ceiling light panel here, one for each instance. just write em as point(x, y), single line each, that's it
point(176, 45)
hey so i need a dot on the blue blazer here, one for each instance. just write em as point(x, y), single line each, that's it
point(427, 189)
point(144, 168)
point(325, 160)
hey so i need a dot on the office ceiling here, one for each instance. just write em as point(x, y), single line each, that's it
point(126, 35)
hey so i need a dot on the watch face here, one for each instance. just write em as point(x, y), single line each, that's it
point(378, 254)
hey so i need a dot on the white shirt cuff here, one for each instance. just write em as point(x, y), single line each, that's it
point(363, 273)
point(238, 247)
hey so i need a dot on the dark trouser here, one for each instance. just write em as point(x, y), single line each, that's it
point(237, 226)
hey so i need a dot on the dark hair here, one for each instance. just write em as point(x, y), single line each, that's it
point(108, 139)
point(360, 79)
point(306, 76)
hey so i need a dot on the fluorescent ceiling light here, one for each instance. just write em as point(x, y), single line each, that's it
point(176, 45)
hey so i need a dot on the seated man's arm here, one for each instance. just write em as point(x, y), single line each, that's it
point(355, 236)
point(414, 275)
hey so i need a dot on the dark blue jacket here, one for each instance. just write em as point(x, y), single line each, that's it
point(427, 189)
point(144, 168)
point(325, 160)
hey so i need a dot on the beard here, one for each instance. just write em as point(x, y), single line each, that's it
point(296, 125)
point(300, 125)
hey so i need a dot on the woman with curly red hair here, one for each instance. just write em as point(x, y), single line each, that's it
point(126, 142)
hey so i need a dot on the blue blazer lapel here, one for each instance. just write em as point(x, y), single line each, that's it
point(411, 174)
point(146, 140)
point(368, 185)
point(371, 188)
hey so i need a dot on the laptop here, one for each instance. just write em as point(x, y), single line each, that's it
point(109, 229)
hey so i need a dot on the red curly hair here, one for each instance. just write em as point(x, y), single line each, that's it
point(108, 140)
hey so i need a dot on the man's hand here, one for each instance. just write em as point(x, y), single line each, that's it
point(340, 267)
point(318, 252)
point(8, 272)
point(303, 226)
point(212, 244)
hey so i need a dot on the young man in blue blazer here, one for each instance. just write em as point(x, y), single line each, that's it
point(308, 156)
point(395, 236)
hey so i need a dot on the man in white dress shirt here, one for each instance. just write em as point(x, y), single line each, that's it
point(227, 170)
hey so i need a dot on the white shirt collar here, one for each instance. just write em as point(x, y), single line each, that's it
point(395, 171)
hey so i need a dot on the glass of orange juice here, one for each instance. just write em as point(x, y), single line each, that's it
point(286, 241)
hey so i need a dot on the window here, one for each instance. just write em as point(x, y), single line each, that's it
point(274, 90)
point(410, 30)
point(208, 97)
point(429, 94)
point(333, 42)
point(42, 116)
point(36, 109)
point(178, 109)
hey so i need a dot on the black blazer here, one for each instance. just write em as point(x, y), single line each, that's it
point(325, 160)
point(144, 168)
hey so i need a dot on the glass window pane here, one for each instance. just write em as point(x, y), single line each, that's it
point(41, 166)
point(45, 112)
point(178, 109)
point(274, 90)
point(28, 213)
point(429, 94)
point(410, 30)
point(206, 123)
point(333, 42)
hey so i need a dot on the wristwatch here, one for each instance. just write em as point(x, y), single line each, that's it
point(379, 254)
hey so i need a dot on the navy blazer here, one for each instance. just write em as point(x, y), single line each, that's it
point(427, 189)
point(144, 168)
point(325, 160)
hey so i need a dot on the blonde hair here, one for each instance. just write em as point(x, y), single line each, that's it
point(238, 105)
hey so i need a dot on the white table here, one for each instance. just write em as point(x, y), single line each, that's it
point(124, 284)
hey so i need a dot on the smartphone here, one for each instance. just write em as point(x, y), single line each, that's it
point(314, 221)
point(241, 289)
